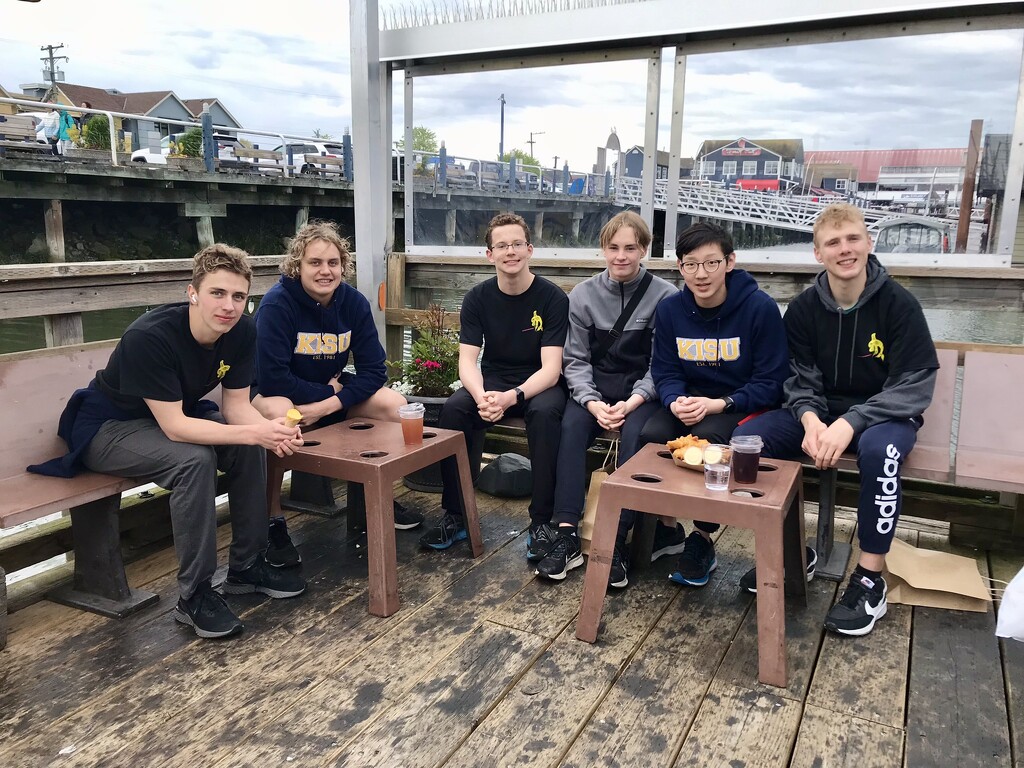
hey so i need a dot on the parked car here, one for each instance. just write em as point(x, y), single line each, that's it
point(225, 149)
point(300, 149)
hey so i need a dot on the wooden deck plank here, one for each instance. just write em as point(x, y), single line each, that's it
point(650, 707)
point(1005, 567)
point(436, 714)
point(845, 742)
point(740, 727)
point(536, 722)
point(804, 635)
point(191, 667)
point(866, 677)
point(957, 714)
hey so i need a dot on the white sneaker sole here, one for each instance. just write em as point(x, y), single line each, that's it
point(866, 629)
point(245, 589)
point(183, 618)
point(575, 562)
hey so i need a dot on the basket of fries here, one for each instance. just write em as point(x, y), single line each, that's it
point(690, 452)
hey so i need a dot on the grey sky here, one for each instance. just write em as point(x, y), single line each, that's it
point(289, 71)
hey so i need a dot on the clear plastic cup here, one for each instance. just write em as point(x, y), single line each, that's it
point(411, 416)
point(717, 470)
point(746, 456)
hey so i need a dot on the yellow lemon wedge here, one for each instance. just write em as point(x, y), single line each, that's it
point(713, 455)
point(292, 418)
point(693, 456)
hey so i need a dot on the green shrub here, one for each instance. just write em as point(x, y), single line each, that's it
point(191, 143)
point(96, 133)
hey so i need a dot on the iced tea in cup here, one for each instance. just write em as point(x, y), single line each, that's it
point(746, 456)
point(411, 416)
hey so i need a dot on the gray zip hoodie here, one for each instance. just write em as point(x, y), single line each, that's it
point(594, 306)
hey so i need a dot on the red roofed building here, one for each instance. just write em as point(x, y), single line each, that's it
point(901, 177)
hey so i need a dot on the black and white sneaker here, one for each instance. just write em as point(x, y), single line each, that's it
point(259, 577)
point(862, 604)
point(539, 540)
point(405, 518)
point(667, 541)
point(449, 530)
point(564, 555)
point(281, 553)
point(618, 576)
point(695, 565)
point(207, 613)
point(748, 581)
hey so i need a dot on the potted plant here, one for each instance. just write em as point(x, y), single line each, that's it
point(429, 375)
point(187, 151)
point(93, 144)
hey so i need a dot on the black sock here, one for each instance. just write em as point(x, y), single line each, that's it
point(873, 575)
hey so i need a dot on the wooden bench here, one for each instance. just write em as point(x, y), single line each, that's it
point(324, 165)
point(263, 160)
point(18, 132)
point(36, 387)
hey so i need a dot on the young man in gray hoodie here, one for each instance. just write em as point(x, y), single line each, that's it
point(609, 379)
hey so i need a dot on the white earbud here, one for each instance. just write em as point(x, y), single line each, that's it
point(193, 299)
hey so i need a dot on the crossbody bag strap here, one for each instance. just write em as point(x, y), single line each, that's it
point(606, 343)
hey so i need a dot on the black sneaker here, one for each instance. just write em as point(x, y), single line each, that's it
point(748, 581)
point(862, 604)
point(259, 577)
point(281, 553)
point(617, 576)
point(539, 540)
point(667, 541)
point(564, 555)
point(696, 563)
point(406, 518)
point(448, 530)
point(207, 613)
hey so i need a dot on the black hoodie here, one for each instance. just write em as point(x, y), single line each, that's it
point(872, 363)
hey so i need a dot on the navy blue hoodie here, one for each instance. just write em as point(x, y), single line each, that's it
point(301, 345)
point(740, 352)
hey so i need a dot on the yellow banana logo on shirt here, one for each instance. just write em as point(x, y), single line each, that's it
point(537, 322)
point(222, 370)
point(876, 347)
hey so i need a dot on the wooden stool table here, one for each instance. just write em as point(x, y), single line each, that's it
point(375, 454)
point(651, 482)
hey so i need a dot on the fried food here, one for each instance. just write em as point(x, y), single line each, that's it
point(688, 449)
point(687, 441)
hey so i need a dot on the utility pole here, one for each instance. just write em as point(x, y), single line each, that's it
point(501, 136)
point(50, 71)
point(531, 142)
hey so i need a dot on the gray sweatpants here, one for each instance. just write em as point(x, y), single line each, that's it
point(139, 448)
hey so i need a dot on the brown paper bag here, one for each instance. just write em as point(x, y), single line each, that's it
point(586, 531)
point(934, 579)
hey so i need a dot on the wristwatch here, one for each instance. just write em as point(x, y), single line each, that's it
point(520, 396)
point(730, 405)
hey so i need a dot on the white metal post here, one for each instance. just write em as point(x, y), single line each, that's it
point(651, 139)
point(386, 84)
point(367, 149)
point(407, 164)
point(1014, 179)
point(674, 160)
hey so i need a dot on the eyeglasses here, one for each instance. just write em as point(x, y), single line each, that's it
point(518, 245)
point(711, 265)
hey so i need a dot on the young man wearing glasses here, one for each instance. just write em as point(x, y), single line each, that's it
point(863, 372)
point(607, 362)
point(519, 320)
point(719, 355)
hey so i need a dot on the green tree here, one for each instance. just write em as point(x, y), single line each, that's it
point(96, 134)
point(522, 158)
point(423, 140)
point(318, 134)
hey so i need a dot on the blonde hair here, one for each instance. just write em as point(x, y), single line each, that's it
point(315, 230)
point(220, 256)
point(836, 214)
point(626, 219)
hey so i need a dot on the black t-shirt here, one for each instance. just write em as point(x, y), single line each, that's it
point(158, 358)
point(512, 329)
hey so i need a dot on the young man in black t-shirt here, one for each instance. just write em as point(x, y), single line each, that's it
point(147, 420)
point(862, 371)
point(520, 320)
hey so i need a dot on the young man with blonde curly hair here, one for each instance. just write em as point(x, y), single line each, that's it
point(310, 326)
point(143, 417)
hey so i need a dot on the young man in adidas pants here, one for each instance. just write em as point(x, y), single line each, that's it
point(863, 368)
point(610, 385)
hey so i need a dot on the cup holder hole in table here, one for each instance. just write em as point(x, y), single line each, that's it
point(360, 425)
point(665, 454)
point(372, 454)
point(642, 478)
point(747, 493)
point(766, 467)
point(428, 435)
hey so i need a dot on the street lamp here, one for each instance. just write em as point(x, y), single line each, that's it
point(501, 136)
